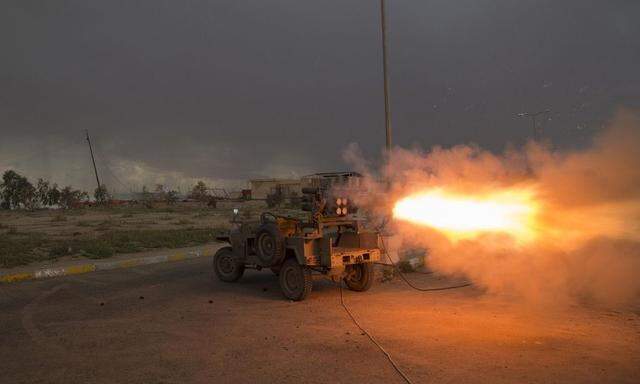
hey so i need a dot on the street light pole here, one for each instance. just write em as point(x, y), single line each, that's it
point(387, 107)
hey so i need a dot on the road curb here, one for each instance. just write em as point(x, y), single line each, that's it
point(76, 269)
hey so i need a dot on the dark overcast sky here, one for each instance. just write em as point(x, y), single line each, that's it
point(235, 89)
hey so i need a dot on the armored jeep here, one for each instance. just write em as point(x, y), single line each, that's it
point(331, 242)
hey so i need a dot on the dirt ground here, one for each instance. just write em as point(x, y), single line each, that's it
point(61, 223)
point(173, 323)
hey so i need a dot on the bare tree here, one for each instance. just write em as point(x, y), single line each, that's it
point(199, 192)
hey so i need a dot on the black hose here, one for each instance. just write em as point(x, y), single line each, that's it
point(364, 331)
point(384, 247)
point(391, 265)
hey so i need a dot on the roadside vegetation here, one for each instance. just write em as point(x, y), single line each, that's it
point(45, 222)
point(21, 248)
point(17, 192)
point(42, 221)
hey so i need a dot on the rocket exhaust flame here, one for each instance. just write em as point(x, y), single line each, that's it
point(542, 225)
point(459, 216)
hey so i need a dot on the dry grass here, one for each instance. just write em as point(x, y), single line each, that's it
point(23, 248)
point(27, 237)
point(58, 218)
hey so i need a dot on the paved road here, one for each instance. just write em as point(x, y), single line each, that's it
point(171, 323)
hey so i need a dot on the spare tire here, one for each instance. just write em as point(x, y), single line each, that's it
point(269, 245)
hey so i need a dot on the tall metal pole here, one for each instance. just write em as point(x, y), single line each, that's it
point(387, 107)
point(93, 159)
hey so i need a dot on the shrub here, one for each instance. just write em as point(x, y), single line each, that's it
point(60, 250)
point(71, 198)
point(97, 250)
point(199, 192)
point(20, 249)
point(102, 195)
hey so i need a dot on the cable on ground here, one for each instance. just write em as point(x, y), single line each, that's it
point(364, 331)
point(384, 248)
point(393, 363)
point(391, 265)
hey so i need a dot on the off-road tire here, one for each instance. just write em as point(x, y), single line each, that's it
point(225, 267)
point(295, 280)
point(269, 245)
point(362, 277)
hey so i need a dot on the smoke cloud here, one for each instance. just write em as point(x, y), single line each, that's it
point(587, 245)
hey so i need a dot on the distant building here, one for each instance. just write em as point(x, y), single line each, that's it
point(261, 188)
point(325, 179)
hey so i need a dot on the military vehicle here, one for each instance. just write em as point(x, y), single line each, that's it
point(332, 242)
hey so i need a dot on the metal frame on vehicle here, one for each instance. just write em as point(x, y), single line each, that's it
point(333, 242)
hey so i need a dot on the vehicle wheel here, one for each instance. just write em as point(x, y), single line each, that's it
point(359, 276)
point(295, 280)
point(226, 267)
point(269, 245)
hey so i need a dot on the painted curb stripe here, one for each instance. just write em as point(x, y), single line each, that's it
point(77, 269)
point(129, 263)
point(53, 272)
point(107, 266)
point(102, 266)
point(154, 259)
point(16, 277)
point(177, 257)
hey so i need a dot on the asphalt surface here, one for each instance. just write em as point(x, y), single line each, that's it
point(173, 323)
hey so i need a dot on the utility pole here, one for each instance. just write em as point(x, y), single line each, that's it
point(533, 116)
point(93, 159)
point(387, 107)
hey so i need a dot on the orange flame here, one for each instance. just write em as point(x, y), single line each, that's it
point(510, 211)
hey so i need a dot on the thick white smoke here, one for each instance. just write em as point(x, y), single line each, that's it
point(588, 228)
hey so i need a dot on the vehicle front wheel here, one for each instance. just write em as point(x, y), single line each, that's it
point(359, 277)
point(295, 280)
point(226, 267)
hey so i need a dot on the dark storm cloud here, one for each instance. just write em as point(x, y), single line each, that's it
point(235, 89)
